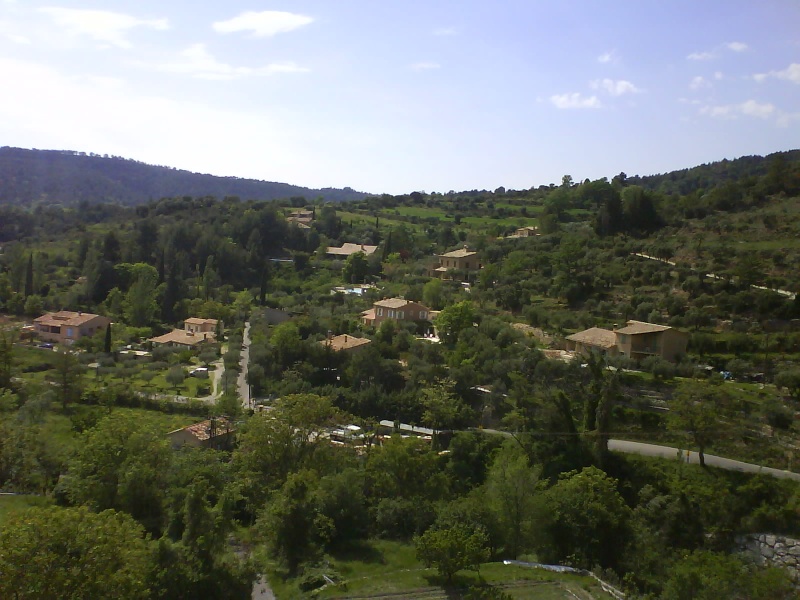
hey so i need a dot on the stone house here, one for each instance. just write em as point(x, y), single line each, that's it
point(462, 260)
point(398, 309)
point(67, 327)
point(637, 340)
point(345, 343)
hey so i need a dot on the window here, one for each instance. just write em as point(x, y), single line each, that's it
point(422, 315)
point(69, 332)
point(399, 314)
point(391, 314)
point(380, 312)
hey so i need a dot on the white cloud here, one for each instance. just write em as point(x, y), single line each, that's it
point(574, 100)
point(197, 62)
point(615, 88)
point(708, 55)
point(444, 31)
point(425, 66)
point(701, 56)
point(606, 57)
point(101, 25)
point(718, 75)
point(263, 24)
point(698, 83)
point(790, 73)
point(42, 108)
point(750, 108)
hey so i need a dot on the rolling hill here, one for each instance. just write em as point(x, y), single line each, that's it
point(33, 177)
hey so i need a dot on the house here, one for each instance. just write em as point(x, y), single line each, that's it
point(463, 259)
point(596, 338)
point(182, 338)
point(637, 340)
point(398, 309)
point(195, 325)
point(195, 332)
point(302, 218)
point(67, 327)
point(345, 343)
point(528, 231)
point(214, 433)
point(347, 249)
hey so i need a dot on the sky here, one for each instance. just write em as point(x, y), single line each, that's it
point(389, 96)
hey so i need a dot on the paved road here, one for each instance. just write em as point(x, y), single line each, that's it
point(691, 456)
point(244, 389)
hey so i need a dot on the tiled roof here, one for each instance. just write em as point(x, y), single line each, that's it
point(344, 342)
point(198, 321)
point(635, 327)
point(185, 338)
point(460, 253)
point(392, 303)
point(65, 318)
point(348, 248)
point(602, 338)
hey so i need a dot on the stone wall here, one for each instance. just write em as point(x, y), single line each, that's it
point(773, 551)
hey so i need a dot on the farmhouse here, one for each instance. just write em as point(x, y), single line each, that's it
point(398, 309)
point(463, 259)
point(345, 343)
point(347, 249)
point(637, 340)
point(67, 327)
point(195, 332)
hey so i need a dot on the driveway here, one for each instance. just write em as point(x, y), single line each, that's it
point(244, 389)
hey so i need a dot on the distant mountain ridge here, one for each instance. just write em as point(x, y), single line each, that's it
point(32, 177)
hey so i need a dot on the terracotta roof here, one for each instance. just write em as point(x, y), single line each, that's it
point(392, 303)
point(198, 321)
point(348, 248)
point(460, 253)
point(65, 317)
point(202, 430)
point(635, 327)
point(596, 336)
point(368, 314)
point(344, 342)
point(184, 338)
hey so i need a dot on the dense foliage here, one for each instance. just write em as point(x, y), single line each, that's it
point(518, 464)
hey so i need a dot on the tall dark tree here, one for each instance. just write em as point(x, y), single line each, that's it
point(29, 276)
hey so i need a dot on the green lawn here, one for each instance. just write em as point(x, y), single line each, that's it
point(14, 504)
point(386, 567)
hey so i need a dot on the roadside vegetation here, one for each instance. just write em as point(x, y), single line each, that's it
point(512, 461)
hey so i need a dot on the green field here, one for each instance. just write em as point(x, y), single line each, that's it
point(13, 504)
point(380, 568)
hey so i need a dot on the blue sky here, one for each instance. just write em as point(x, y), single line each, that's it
point(390, 96)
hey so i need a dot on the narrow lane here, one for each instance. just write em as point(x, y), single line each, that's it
point(243, 388)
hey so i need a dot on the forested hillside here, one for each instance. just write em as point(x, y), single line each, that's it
point(42, 177)
point(376, 450)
